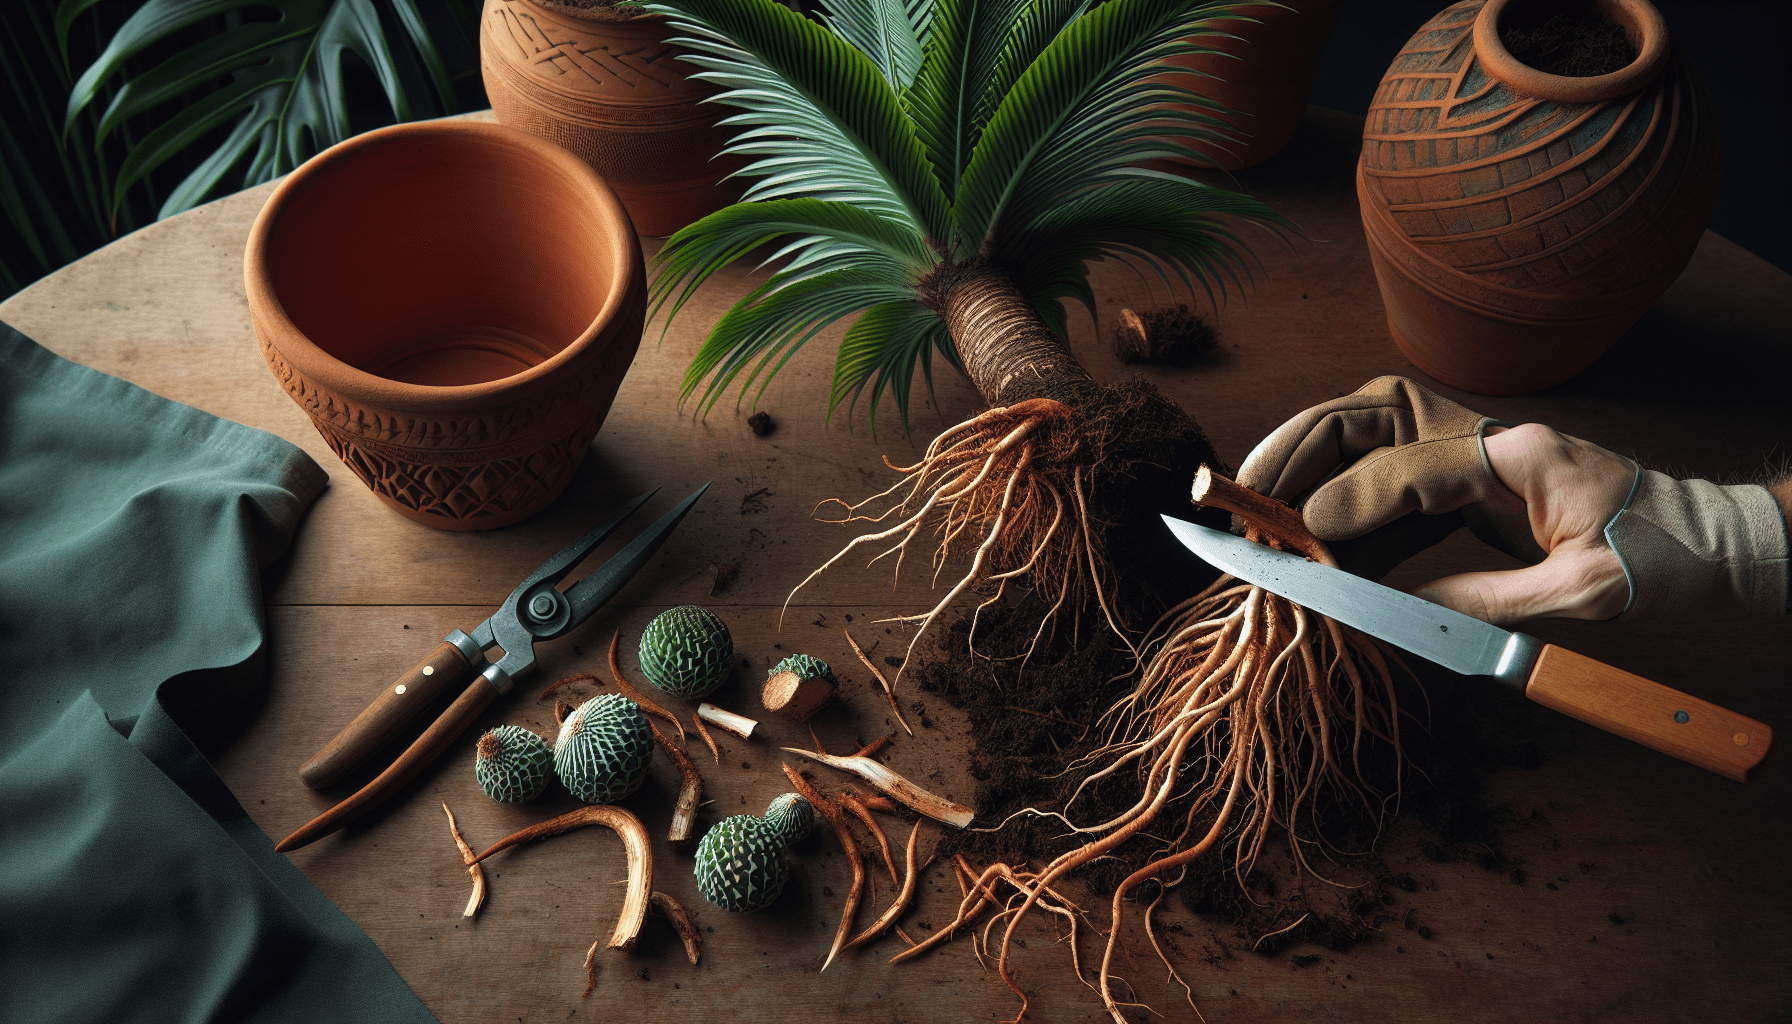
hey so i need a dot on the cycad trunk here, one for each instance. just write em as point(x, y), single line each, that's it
point(1139, 451)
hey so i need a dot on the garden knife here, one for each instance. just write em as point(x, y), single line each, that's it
point(1619, 702)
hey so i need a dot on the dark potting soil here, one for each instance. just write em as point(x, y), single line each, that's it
point(1169, 334)
point(1031, 718)
point(1573, 44)
point(614, 9)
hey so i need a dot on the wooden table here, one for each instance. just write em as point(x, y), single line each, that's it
point(1652, 890)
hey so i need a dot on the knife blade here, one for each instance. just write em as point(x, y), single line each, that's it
point(1609, 698)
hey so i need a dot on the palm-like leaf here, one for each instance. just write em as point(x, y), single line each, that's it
point(1031, 115)
point(285, 93)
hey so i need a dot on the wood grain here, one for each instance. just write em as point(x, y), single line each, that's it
point(1625, 704)
point(1651, 890)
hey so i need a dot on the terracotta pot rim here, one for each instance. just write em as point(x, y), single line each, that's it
point(370, 389)
point(1647, 30)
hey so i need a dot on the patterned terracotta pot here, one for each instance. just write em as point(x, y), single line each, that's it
point(454, 305)
point(609, 88)
point(1520, 222)
point(1262, 72)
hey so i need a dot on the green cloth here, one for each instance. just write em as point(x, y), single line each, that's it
point(133, 886)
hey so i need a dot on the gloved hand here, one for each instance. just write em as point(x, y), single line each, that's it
point(1390, 470)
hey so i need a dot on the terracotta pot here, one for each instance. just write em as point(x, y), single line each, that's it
point(454, 305)
point(1520, 222)
point(1265, 76)
point(609, 89)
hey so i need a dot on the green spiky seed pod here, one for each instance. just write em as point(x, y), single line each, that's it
point(686, 651)
point(603, 748)
point(805, 666)
point(740, 862)
point(789, 818)
point(512, 764)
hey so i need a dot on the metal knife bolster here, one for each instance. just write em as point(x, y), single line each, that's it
point(499, 679)
point(1517, 659)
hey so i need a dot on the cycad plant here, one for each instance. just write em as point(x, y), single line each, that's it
point(946, 170)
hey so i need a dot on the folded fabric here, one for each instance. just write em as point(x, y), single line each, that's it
point(133, 885)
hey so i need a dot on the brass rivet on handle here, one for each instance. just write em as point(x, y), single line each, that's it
point(429, 670)
point(1740, 739)
point(398, 689)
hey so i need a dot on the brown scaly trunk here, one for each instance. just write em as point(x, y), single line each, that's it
point(1140, 449)
point(1009, 353)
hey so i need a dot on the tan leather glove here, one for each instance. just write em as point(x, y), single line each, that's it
point(1393, 468)
point(1388, 471)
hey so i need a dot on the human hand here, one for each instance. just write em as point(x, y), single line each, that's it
point(1394, 468)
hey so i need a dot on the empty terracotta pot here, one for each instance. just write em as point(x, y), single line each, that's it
point(1262, 72)
point(607, 86)
point(1520, 221)
point(454, 305)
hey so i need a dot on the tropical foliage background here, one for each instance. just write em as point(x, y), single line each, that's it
point(116, 113)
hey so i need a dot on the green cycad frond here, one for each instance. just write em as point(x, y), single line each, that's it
point(1031, 115)
point(881, 349)
point(1083, 112)
point(835, 125)
point(891, 35)
point(1167, 223)
point(286, 92)
point(761, 332)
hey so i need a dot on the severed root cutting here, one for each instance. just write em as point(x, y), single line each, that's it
point(634, 842)
point(895, 786)
point(888, 917)
point(710, 741)
point(629, 691)
point(852, 803)
point(472, 863)
point(727, 721)
point(690, 789)
point(889, 691)
point(831, 811)
point(674, 911)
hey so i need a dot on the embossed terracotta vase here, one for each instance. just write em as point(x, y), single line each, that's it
point(1262, 71)
point(454, 305)
point(1521, 221)
point(607, 86)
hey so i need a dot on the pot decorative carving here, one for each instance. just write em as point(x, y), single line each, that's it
point(1520, 221)
point(608, 86)
point(454, 305)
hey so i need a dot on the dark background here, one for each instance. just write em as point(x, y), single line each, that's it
point(1742, 48)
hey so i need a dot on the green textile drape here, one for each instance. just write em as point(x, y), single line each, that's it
point(133, 886)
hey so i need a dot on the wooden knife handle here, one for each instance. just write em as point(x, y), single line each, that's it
point(438, 737)
point(444, 669)
point(1654, 715)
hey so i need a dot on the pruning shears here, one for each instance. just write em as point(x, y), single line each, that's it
point(536, 610)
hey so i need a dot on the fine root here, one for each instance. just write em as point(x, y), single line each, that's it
point(674, 911)
point(472, 863)
point(837, 818)
point(1011, 488)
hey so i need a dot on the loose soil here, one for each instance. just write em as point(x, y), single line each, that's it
point(1167, 334)
point(1573, 44)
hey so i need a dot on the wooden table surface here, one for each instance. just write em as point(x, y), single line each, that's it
point(1652, 890)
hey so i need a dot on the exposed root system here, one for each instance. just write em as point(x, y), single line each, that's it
point(1249, 714)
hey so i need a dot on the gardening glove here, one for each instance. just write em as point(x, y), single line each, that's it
point(1601, 536)
point(1387, 472)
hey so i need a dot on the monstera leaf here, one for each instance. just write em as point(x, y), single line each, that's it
point(282, 81)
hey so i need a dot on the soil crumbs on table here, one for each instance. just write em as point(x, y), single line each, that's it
point(1030, 718)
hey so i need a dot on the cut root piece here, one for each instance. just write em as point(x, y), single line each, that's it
point(690, 790)
point(628, 689)
point(472, 863)
point(836, 818)
point(727, 721)
point(1250, 711)
point(895, 787)
point(1009, 488)
point(889, 691)
point(888, 917)
point(674, 911)
point(634, 842)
